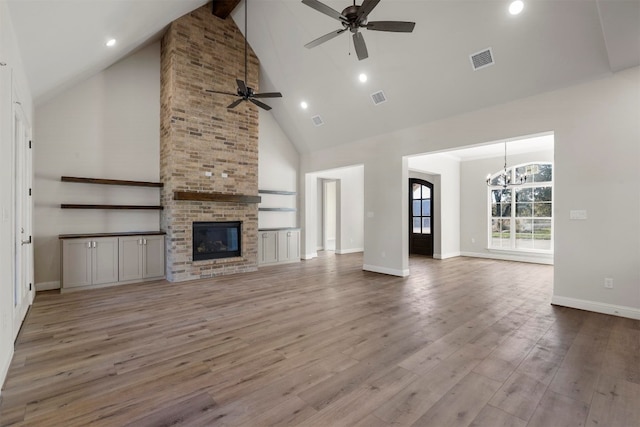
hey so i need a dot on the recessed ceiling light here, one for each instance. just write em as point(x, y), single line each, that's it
point(516, 7)
point(362, 77)
point(111, 42)
point(304, 105)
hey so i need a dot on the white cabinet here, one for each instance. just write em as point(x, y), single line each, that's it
point(88, 262)
point(288, 245)
point(278, 246)
point(141, 257)
point(267, 247)
point(120, 258)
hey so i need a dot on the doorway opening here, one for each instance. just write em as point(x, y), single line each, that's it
point(421, 224)
point(329, 214)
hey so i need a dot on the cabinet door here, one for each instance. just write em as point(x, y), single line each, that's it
point(130, 258)
point(294, 245)
point(104, 259)
point(76, 262)
point(153, 256)
point(268, 247)
point(288, 245)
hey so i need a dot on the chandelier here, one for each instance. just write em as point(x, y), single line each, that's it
point(507, 176)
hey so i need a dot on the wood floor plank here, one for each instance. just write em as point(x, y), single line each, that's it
point(321, 342)
point(461, 405)
point(494, 417)
point(556, 410)
point(616, 403)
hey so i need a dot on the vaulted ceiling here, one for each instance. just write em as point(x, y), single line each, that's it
point(425, 75)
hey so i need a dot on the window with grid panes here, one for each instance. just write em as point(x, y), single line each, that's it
point(521, 216)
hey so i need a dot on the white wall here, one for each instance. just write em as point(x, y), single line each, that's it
point(105, 127)
point(349, 205)
point(597, 161)
point(12, 74)
point(446, 203)
point(278, 166)
point(474, 211)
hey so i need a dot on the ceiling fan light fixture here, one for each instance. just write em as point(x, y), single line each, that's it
point(516, 7)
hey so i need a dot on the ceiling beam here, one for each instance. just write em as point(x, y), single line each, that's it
point(223, 8)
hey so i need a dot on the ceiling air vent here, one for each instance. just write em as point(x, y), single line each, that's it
point(317, 120)
point(481, 59)
point(378, 97)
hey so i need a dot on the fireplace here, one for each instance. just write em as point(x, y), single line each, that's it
point(213, 240)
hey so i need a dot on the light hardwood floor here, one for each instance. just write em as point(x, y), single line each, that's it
point(321, 343)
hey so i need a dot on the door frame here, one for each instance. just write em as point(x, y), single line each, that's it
point(410, 211)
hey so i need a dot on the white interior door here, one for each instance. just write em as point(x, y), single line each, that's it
point(23, 268)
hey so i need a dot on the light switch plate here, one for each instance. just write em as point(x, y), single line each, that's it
point(578, 214)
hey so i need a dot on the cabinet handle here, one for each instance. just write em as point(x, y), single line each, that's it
point(144, 241)
point(288, 234)
point(139, 241)
point(88, 245)
point(94, 244)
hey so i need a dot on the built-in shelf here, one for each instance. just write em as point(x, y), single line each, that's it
point(277, 209)
point(279, 229)
point(215, 197)
point(282, 193)
point(132, 207)
point(111, 182)
point(116, 234)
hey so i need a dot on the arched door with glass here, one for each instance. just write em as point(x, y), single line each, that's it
point(421, 217)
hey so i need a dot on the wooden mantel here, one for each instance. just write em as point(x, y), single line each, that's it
point(215, 197)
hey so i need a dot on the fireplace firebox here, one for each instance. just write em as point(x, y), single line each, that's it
point(214, 240)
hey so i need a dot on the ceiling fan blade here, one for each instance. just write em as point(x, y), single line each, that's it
point(260, 104)
point(268, 95)
point(366, 8)
point(241, 86)
point(395, 26)
point(235, 103)
point(323, 8)
point(360, 45)
point(219, 91)
point(324, 38)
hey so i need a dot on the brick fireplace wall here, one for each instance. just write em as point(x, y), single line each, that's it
point(199, 134)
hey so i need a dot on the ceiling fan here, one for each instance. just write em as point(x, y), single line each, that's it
point(353, 18)
point(244, 92)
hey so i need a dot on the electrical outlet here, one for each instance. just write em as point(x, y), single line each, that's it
point(207, 173)
point(608, 283)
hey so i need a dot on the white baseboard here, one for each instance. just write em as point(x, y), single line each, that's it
point(310, 256)
point(598, 307)
point(546, 259)
point(349, 251)
point(447, 255)
point(385, 270)
point(4, 369)
point(47, 286)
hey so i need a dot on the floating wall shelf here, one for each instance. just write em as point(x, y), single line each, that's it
point(277, 209)
point(132, 207)
point(111, 182)
point(282, 193)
